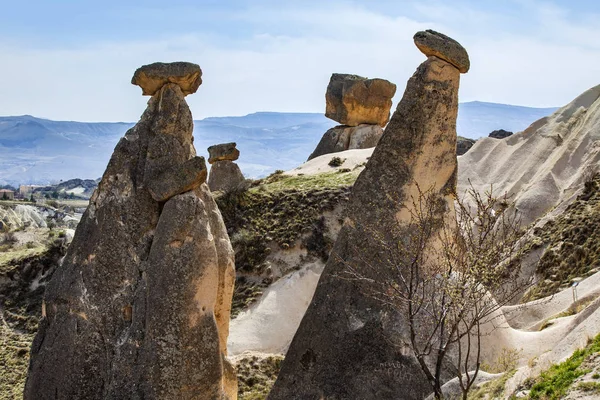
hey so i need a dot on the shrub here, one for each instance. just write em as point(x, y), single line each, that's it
point(336, 162)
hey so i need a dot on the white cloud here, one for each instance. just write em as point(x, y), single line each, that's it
point(286, 66)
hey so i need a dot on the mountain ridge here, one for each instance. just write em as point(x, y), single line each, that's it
point(43, 151)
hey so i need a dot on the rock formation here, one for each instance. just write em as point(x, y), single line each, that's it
point(140, 307)
point(353, 100)
point(225, 175)
point(500, 134)
point(363, 107)
point(543, 166)
point(344, 348)
point(463, 145)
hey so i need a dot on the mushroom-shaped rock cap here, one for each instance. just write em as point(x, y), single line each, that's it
point(223, 152)
point(152, 77)
point(353, 100)
point(432, 43)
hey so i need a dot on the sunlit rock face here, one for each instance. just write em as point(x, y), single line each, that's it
point(140, 307)
point(346, 346)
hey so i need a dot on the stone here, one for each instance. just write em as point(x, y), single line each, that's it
point(152, 77)
point(348, 344)
point(140, 307)
point(223, 152)
point(463, 145)
point(500, 134)
point(353, 100)
point(432, 43)
point(226, 176)
point(342, 137)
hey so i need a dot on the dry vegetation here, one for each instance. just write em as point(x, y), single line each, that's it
point(277, 212)
point(571, 243)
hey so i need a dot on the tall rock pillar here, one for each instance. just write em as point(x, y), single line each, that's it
point(346, 347)
point(140, 307)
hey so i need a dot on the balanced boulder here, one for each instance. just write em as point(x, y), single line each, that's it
point(154, 76)
point(223, 152)
point(353, 100)
point(225, 175)
point(432, 43)
point(140, 307)
point(349, 345)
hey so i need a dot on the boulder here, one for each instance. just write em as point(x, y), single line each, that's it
point(226, 176)
point(223, 152)
point(353, 100)
point(463, 145)
point(432, 43)
point(500, 134)
point(348, 345)
point(342, 137)
point(140, 306)
point(154, 76)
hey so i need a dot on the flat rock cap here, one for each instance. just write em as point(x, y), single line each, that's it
point(432, 43)
point(152, 77)
point(223, 152)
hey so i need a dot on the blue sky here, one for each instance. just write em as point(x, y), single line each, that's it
point(74, 59)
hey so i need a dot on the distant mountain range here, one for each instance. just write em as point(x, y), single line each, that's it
point(40, 151)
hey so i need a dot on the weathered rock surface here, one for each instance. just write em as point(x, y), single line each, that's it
point(223, 152)
point(344, 348)
point(154, 76)
point(353, 100)
point(500, 134)
point(225, 176)
point(463, 145)
point(432, 43)
point(342, 137)
point(140, 307)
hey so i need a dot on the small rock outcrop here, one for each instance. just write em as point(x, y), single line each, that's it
point(140, 307)
point(353, 100)
point(363, 107)
point(500, 134)
point(463, 145)
point(347, 344)
point(341, 138)
point(225, 175)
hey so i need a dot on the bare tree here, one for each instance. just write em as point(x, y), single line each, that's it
point(446, 276)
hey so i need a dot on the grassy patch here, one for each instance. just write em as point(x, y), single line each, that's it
point(589, 387)
point(307, 182)
point(256, 376)
point(14, 358)
point(493, 389)
point(554, 382)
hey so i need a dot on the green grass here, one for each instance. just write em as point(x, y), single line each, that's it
point(553, 383)
point(280, 182)
point(493, 389)
point(8, 258)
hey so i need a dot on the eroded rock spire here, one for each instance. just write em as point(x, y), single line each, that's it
point(347, 344)
point(140, 307)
